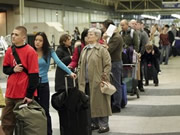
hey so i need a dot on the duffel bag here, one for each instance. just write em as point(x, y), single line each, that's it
point(30, 119)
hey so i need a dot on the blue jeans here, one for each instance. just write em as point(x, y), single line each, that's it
point(165, 49)
point(101, 121)
point(117, 72)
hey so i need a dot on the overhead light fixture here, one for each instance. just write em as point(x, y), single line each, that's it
point(175, 15)
point(151, 17)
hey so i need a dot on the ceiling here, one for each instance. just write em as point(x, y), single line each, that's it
point(138, 6)
point(115, 6)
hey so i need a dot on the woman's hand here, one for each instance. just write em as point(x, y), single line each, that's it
point(73, 75)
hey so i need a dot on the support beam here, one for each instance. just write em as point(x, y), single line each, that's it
point(21, 11)
point(138, 4)
point(57, 4)
point(116, 5)
point(154, 4)
point(149, 10)
point(123, 6)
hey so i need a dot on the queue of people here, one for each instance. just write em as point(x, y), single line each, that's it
point(95, 58)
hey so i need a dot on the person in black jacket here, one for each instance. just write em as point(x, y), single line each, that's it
point(64, 53)
point(150, 62)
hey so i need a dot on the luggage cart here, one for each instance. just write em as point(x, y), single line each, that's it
point(129, 76)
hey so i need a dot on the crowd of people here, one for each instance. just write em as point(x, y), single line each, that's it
point(95, 58)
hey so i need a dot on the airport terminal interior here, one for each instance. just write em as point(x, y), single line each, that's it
point(157, 110)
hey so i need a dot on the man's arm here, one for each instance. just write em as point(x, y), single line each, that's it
point(114, 43)
point(33, 84)
point(136, 41)
point(8, 70)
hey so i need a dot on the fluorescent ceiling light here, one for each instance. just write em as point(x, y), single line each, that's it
point(175, 15)
point(151, 17)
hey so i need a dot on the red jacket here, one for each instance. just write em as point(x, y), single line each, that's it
point(75, 57)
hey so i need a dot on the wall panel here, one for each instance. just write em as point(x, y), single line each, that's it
point(41, 15)
point(33, 15)
point(48, 15)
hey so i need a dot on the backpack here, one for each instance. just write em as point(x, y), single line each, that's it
point(131, 33)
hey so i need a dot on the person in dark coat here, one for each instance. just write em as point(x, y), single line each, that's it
point(150, 60)
point(64, 53)
point(77, 50)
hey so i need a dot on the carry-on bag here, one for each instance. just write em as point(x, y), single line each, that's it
point(129, 79)
point(30, 119)
point(74, 112)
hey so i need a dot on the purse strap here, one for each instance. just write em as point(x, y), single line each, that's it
point(105, 78)
point(16, 57)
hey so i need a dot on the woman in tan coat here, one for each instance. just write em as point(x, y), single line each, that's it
point(95, 65)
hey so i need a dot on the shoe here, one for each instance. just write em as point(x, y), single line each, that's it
point(94, 126)
point(115, 109)
point(146, 84)
point(103, 129)
point(141, 89)
point(156, 84)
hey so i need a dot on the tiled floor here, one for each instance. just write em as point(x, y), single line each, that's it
point(157, 112)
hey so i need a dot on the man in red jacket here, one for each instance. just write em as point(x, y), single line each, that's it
point(20, 84)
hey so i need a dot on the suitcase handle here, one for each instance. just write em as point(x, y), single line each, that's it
point(23, 105)
point(66, 83)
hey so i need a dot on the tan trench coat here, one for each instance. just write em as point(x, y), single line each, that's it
point(99, 62)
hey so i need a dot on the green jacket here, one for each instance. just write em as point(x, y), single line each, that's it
point(130, 38)
point(115, 47)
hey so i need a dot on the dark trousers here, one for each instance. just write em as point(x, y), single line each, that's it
point(154, 73)
point(43, 100)
point(117, 71)
point(140, 82)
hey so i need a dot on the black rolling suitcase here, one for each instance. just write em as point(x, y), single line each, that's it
point(75, 114)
